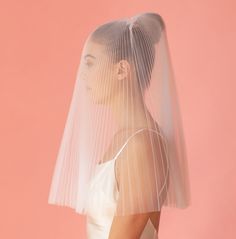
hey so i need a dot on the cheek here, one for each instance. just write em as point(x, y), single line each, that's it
point(107, 78)
point(105, 83)
point(102, 80)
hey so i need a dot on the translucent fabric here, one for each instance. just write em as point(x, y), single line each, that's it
point(124, 82)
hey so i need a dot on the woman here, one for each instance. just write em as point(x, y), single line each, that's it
point(122, 155)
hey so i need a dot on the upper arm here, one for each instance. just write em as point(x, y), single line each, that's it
point(140, 176)
point(141, 173)
point(128, 227)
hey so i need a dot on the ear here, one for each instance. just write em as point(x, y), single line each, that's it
point(123, 69)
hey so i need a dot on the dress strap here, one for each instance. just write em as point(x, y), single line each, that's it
point(131, 137)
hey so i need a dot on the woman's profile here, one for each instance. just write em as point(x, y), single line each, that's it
point(122, 155)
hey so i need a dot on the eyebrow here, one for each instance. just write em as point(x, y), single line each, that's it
point(89, 55)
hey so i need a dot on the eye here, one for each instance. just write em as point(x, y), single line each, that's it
point(88, 63)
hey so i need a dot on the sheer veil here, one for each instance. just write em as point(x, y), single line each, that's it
point(125, 82)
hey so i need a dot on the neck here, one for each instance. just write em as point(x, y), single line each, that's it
point(130, 111)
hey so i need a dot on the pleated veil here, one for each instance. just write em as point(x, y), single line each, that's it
point(124, 89)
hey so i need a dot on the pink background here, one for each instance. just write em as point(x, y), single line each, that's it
point(40, 48)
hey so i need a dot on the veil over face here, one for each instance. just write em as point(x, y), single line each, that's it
point(125, 86)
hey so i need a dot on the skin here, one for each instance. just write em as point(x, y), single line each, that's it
point(131, 226)
point(104, 88)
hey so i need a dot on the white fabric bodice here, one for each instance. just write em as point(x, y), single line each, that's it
point(104, 191)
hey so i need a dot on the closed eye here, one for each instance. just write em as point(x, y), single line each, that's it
point(88, 64)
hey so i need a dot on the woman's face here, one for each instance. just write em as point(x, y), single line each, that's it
point(98, 72)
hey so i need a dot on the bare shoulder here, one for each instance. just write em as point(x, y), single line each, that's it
point(139, 151)
point(142, 142)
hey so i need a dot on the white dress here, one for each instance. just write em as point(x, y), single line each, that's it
point(103, 189)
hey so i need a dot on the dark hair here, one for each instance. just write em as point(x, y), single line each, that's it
point(146, 31)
